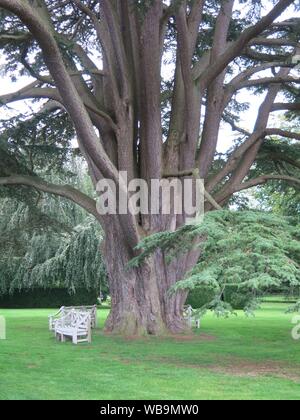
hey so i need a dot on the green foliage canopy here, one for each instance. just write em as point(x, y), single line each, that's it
point(256, 252)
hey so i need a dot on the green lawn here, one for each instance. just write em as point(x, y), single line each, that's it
point(236, 358)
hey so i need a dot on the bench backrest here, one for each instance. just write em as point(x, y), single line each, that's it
point(83, 320)
point(75, 319)
point(66, 310)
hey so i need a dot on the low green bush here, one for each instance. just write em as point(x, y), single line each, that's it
point(200, 296)
point(235, 297)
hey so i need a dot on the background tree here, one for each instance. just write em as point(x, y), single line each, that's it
point(278, 196)
point(125, 119)
point(48, 242)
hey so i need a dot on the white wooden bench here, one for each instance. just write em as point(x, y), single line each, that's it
point(190, 316)
point(64, 310)
point(75, 325)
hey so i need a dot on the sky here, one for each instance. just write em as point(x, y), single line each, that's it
point(226, 137)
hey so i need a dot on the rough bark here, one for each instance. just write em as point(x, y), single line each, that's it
point(141, 303)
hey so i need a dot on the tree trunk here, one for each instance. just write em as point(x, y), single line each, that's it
point(141, 304)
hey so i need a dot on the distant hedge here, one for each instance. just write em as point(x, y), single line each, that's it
point(48, 298)
point(203, 295)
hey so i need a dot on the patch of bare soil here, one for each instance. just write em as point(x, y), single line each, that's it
point(32, 366)
point(247, 368)
point(240, 368)
point(135, 338)
point(175, 337)
point(27, 328)
point(201, 337)
point(229, 366)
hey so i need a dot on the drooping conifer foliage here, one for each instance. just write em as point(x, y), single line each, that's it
point(48, 242)
point(256, 253)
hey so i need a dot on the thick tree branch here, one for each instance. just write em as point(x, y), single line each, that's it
point(238, 82)
point(151, 127)
point(184, 126)
point(286, 107)
point(215, 92)
point(60, 75)
point(65, 191)
point(90, 144)
point(273, 42)
point(234, 126)
point(240, 162)
point(30, 92)
point(267, 81)
point(264, 179)
point(225, 196)
point(186, 45)
point(289, 23)
point(16, 38)
point(282, 133)
point(234, 159)
point(195, 19)
point(259, 56)
point(237, 47)
point(106, 42)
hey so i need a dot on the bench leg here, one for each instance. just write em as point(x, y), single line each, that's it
point(96, 320)
point(75, 339)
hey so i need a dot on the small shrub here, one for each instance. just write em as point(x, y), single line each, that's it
point(200, 296)
point(235, 297)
